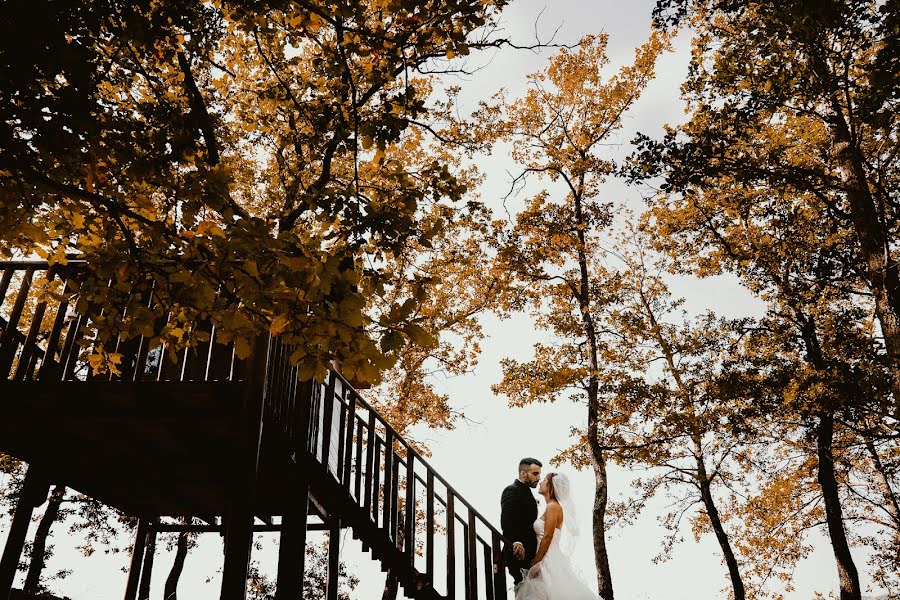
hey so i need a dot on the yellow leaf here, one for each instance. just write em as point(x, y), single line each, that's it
point(279, 323)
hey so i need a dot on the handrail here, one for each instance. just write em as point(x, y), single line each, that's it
point(418, 456)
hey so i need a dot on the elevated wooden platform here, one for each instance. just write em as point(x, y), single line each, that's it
point(230, 442)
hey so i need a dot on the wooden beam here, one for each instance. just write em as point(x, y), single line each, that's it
point(334, 560)
point(147, 569)
point(137, 558)
point(239, 522)
point(292, 546)
point(34, 493)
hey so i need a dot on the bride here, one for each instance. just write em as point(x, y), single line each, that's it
point(552, 575)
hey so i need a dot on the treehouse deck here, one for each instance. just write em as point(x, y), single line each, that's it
point(231, 442)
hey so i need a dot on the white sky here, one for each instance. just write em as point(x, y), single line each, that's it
point(480, 457)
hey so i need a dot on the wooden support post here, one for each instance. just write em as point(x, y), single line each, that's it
point(239, 520)
point(147, 569)
point(334, 560)
point(499, 567)
point(34, 493)
point(137, 557)
point(292, 546)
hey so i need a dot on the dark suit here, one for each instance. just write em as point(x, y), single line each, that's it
point(518, 512)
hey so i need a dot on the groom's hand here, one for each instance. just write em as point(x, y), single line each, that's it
point(519, 550)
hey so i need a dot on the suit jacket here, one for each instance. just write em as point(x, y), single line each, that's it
point(518, 511)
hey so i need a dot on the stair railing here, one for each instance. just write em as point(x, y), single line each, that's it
point(445, 540)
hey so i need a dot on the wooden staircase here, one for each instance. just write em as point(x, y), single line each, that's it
point(241, 444)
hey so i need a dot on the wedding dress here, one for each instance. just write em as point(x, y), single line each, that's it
point(555, 577)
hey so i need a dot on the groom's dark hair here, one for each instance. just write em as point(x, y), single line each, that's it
point(527, 462)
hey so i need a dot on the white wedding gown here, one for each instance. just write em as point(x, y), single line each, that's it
point(554, 578)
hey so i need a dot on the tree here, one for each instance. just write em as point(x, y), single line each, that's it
point(816, 348)
point(659, 407)
point(248, 163)
point(548, 258)
point(800, 97)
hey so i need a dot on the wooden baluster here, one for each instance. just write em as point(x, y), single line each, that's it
point(371, 467)
point(376, 475)
point(8, 341)
point(49, 364)
point(341, 431)
point(8, 271)
point(360, 466)
point(429, 527)
point(451, 546)
point(473, 557)
point(395, 496)
point(410, 521)
point(467, 561)
point(328, 407)
point(499, 567)
point(23, 369)
point(388, 481)
point(348, 437)
point(71, 347)
point(488, 573)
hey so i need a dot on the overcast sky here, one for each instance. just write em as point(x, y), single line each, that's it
point(479, 458)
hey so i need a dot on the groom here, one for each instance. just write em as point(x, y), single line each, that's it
point(518, 512)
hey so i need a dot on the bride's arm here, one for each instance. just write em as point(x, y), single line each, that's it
point(552, 520)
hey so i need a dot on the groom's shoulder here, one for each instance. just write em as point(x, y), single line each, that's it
point(511, 489)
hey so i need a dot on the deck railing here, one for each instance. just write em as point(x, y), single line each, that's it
point(43, 337)
point(441, 535)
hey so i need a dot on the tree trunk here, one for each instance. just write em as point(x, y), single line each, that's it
point(872, 233)
point(601, 555)
point(39, 547)
point(598, 460)
point(848, 577)
point(712, 511)
point(891, 503)
point(181, 551)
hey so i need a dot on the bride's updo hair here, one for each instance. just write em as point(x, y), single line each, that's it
point(550, 487)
